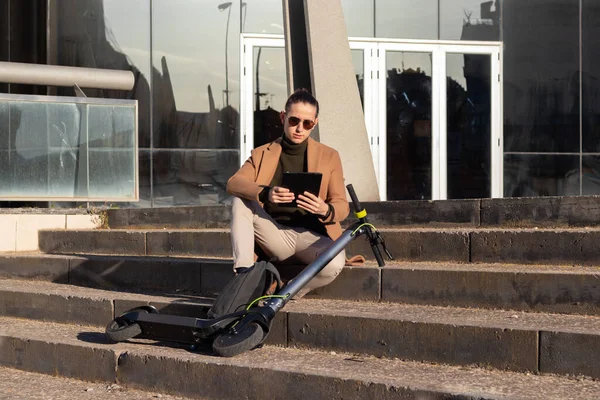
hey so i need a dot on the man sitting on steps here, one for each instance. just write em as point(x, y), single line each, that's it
point(289, 234)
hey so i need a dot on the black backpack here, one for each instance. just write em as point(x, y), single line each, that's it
point(246, 286)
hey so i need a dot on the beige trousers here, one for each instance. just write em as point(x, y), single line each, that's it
point(286, 245)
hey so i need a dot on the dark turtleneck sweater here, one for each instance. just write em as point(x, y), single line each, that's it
point(292, 159)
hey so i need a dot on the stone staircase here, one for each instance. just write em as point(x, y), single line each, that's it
point(489, 299)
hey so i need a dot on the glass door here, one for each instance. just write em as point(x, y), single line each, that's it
point(264, 88)
point(472, 124)
point(407, 112)
point(432, 112)
point(439, 121)
point(263, 91)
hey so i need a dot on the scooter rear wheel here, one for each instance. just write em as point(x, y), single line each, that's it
point(120, 330)
point(229, 344)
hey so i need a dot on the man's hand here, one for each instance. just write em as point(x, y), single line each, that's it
point(278, 194)
point(312, 204)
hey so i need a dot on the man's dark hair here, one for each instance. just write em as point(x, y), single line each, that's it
point(302, 96)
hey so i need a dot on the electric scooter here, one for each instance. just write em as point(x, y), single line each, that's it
point(243, 330)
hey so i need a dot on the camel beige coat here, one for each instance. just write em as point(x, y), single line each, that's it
point(257, 172)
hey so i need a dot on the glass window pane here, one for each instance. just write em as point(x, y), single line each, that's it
point(408, 125)
point(591, 76)
point(196, 81)
point(470, 20)
point(406, 19)
point(264, 16)
point(358, 61)
point(4, 39)
point(469, 131)
point(541, 75)
point(111, 34)
point(358, 15)
point(110, 126)
point(270, 93)
point(27, 38)
point(111, 133)
point(25, 155)
point(112, 172)
point(67, 165)
point(43, 150)
point(195, 177)
point(590, 175)
point(527, 175)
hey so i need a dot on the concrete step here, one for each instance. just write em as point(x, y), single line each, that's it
point(506, 340)
point(538, 211)
point(518, 245)
point(548, 288)
point(72, 304)
point(18, 384)
point(82, 352)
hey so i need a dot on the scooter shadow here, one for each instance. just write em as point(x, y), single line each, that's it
point(203, 348)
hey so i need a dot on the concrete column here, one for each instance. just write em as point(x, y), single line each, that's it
point(333, 82)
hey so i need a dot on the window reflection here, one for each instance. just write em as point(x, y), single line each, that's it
point(590, 76)
point(109, 34)
point(188, 177)
point(196, 98)
point(541, 78)
point(527, 175)
point(406, 19)
point(470, 20)
point(264, 16)
point(408, 125)
point(358, 61)
point(196, 93)
point(590, 176)
point(358, 15)
point(270, 93)
point(468, 126)
point(24, 38)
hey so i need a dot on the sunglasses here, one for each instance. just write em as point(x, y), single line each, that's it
point(307, 124)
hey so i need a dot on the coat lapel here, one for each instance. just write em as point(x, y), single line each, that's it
point(313, 153)
point(268, 163)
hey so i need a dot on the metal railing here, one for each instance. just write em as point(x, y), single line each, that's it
point(57, 75)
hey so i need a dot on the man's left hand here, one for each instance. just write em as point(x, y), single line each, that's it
point(312, 204)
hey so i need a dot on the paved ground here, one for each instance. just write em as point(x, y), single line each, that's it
point(21, 385)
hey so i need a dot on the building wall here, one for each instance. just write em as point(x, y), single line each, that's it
point(185, 54)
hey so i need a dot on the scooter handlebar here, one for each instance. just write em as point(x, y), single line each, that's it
point(355, 202)
point(377, 254)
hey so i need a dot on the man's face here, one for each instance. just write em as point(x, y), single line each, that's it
point(306, 114)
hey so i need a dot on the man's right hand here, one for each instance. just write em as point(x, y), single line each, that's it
point(278, 194)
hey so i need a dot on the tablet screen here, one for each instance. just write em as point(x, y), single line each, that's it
point(299, 182)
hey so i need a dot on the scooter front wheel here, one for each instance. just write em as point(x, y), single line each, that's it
point(231, 344)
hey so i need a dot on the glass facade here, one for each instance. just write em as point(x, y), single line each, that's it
point(196, 99)
point(185, 55)
point(542, 97)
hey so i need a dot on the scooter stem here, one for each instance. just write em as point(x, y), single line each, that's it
point(311, 270)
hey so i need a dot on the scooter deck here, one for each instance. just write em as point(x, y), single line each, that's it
point(174, 328)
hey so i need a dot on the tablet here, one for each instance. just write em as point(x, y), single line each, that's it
point(300, 182)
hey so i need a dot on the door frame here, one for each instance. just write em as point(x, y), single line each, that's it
point(249, 41)
point(439, 156)
point(375, 105)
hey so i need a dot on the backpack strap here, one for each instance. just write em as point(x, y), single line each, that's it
point(271, 268)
